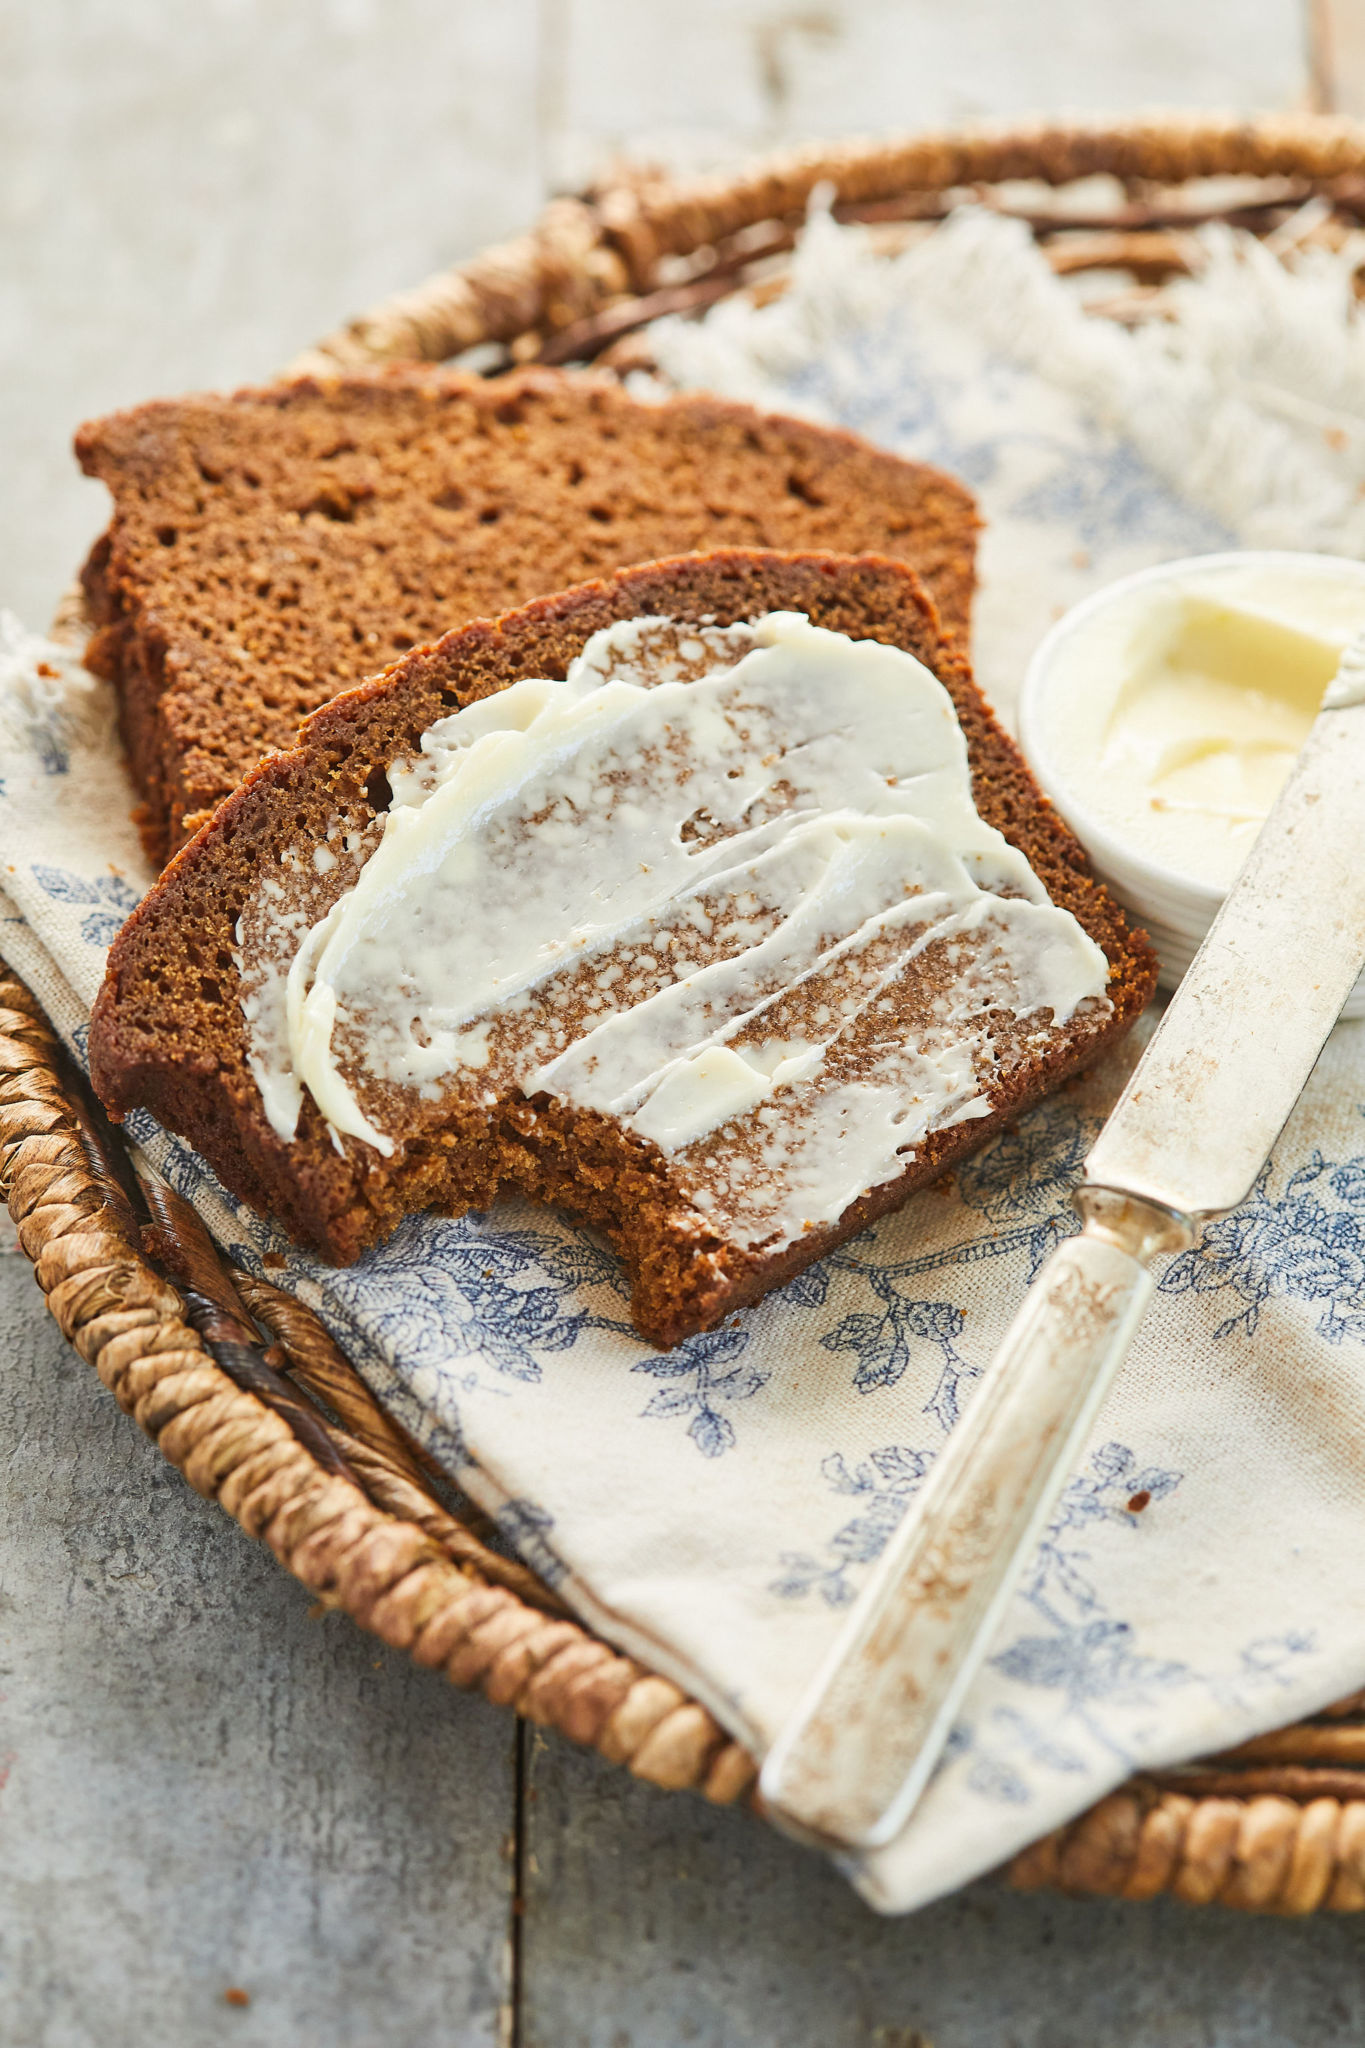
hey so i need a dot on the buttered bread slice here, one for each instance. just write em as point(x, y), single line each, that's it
point(709, 903)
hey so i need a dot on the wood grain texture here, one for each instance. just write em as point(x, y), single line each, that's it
point(201, 1786)
point(1336, 55)
point(189, 194)
point(745, 75)
point(646, 1928)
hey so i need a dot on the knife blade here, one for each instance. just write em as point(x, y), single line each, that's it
point(1242, 1034)
point(1185, 1142)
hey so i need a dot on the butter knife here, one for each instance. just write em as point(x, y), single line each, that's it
point(1185, 1143)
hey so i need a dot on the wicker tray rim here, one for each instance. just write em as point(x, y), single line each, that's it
point(347, 1504)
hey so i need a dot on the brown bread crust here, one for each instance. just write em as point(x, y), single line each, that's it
point(167, 1032)
point(271, 548)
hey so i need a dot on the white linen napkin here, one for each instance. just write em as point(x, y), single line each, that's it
point(715, 1508)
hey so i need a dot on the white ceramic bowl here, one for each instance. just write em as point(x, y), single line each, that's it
point(1177, 909)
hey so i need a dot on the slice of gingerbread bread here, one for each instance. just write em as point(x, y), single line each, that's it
point(271, 548)
point(725, 937)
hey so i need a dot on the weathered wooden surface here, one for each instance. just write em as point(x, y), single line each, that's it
point(650, 1927)
point(741, 75)
point(201, 1788)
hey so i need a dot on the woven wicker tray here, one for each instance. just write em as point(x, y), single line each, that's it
point(243, 1389)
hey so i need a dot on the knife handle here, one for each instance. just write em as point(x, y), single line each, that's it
point(859, 1750)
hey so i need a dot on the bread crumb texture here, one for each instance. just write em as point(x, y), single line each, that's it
point(270, 549)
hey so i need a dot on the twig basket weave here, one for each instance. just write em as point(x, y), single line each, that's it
point(243, 1389)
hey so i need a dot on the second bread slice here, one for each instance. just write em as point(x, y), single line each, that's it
point(271, 548)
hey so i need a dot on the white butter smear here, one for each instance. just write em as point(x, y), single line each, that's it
point(727, 885)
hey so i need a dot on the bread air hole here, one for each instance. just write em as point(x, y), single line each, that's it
point(378, 794)
point(333, 502)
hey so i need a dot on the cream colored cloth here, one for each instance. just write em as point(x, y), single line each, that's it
point(716, 1508)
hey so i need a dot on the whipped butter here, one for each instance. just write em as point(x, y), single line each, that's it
point(727, 885)
point(1172, 709)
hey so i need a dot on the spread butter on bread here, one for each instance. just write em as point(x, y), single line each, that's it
point(707, 901)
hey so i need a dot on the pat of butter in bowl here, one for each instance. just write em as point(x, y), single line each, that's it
point(1163, 714)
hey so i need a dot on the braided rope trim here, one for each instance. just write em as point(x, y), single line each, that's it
point(584, 253)
point(395, 1472)
point(1265, 1854)
point(385, 1570)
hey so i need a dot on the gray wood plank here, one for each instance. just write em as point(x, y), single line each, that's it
point(692, 81)
point(1337, 55)
point(653, 1921)
point(201, 1787)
